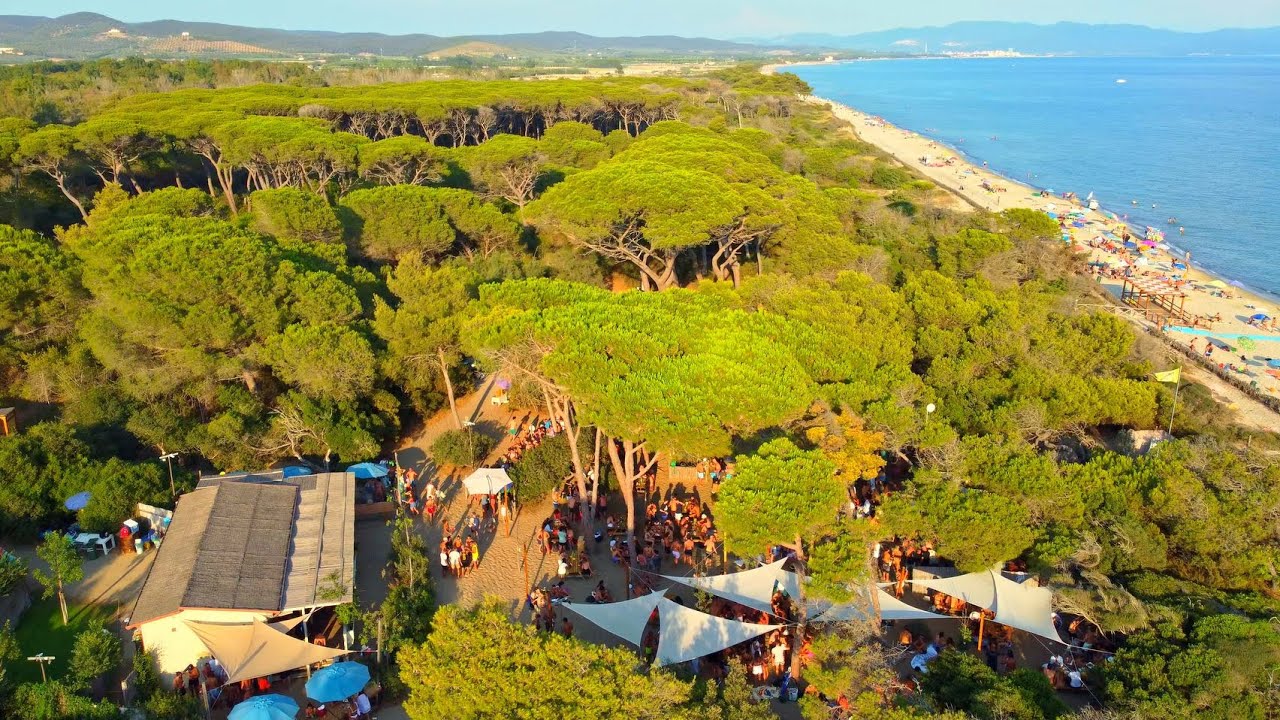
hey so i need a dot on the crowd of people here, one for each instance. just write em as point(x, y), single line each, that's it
point(525, 437)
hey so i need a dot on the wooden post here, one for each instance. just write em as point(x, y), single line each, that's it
point(982, 624)
point(524, 563)
point(626, 574)
point(306, 637)
point(41, 660)
point(379, 639)
point(506, 505)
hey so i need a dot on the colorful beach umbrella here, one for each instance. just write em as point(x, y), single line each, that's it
point(265, 707)
point(337, 682)
point(368, 470)
point(1259, 318)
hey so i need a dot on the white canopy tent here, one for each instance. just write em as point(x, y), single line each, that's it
point(1017, 605)
point(686, 634)
point(753, 588)
point(487, 481)
point(625, 619)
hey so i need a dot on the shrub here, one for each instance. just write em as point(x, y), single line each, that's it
point(889, 178)
point(169, 706)
point(542, 468)
point(461, 448)
point(146, 680)
point(13, 570)
point(56, 700)
point(96, 653)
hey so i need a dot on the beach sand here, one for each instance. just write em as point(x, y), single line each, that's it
point(987, 190)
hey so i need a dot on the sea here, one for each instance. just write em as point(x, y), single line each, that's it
point(1191, 139)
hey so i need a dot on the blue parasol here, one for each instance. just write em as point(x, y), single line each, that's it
point(367, 470)
point(297, 471)
point(337, 682)
point(1256, 318)
point(265, 707)
point(76, 502)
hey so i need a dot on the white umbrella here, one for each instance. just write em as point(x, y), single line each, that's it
point(487, 481)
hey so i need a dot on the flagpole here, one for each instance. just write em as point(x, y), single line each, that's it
point(1173, 411)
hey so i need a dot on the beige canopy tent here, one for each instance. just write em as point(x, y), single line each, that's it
point(686, 634)
point(753, 588)
point(625, 619)
point(1018, 605)
point(250, 650)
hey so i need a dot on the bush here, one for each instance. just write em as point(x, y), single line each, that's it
point(543, 468)
point(461, 448)
point(169, 706)
point(96, 653)
point(13, 570)
point(889, 178)
point(55, 700)
point(146, 680)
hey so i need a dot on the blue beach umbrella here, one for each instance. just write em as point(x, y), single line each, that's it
point(76, 502)
point(1257, 318)
point(337, 682)
point(297, 471)
point(366, 470)
point(265, 707)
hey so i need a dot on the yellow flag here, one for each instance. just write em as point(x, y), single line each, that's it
point(1170, 376)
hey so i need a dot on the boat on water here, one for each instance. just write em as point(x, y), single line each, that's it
point(1121, 81)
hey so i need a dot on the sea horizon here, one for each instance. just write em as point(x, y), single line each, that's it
point(933, 103)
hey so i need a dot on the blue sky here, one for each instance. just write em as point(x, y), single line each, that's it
point(713, 18)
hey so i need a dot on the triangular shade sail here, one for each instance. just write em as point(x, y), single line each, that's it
point(974, 588)
point(753, 588)
point(1026, 607)
point(625, 619)
point(891, 608)
point(250, 650)
point(686, 634)
point(1017, 605)
point(487, 481)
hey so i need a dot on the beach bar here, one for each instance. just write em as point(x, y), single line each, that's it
point(1158, 302)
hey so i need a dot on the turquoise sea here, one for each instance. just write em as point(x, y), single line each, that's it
point(1197, 137)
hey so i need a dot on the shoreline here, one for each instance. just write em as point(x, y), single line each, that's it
point(985, 189)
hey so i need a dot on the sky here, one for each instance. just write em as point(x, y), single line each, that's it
point(710, 18)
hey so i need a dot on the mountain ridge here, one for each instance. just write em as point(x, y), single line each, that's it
point(85, 35)
point(1065, 38)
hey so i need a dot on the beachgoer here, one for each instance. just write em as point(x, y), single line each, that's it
point(566, 628)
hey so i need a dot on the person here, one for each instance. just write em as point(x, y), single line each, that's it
point(475, 553)
point(362, 706)
point(566, 627)
point(455, 561)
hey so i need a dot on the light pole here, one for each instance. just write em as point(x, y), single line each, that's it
point(168, 460)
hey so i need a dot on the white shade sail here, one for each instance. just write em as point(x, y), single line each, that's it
point(1018, 605)
point(250, 650)
point(1026, 607)
point(891, 608)
point(753, 588)
point(686, 634)
point(625, 619)
point(974, 588)
point(487, 481)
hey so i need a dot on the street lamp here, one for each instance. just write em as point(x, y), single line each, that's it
point(168, 460)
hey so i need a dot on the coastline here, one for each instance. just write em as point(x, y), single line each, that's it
point(981, 188)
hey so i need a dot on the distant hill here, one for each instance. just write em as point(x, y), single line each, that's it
point(1058, 39)
point(89, 35)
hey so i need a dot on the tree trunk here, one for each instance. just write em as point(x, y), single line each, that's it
point(797, 638)
point(62, 604)
point(595, 470)
point(626, 484)
point(448, 386)
point(62, 185)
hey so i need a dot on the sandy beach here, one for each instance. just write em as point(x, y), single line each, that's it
point(1217, 309)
